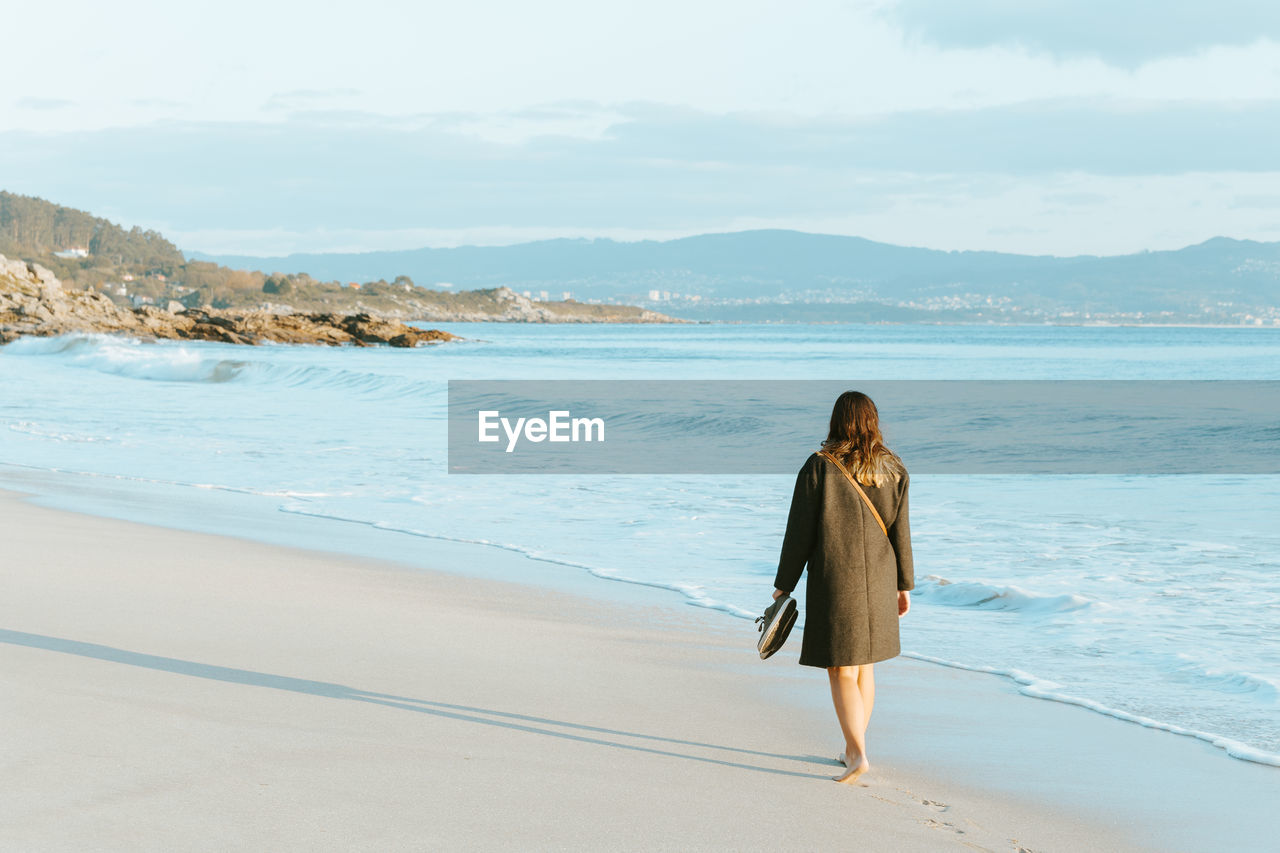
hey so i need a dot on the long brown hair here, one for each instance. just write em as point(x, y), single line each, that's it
point(854, 438)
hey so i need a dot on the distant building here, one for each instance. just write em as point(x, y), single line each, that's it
point(354, 285)
point(567, 296)
point(127, 277)
point(542, 294)
point(75, 252)
point(655, 295)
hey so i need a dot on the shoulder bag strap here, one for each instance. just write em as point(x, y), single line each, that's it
point(862, 494)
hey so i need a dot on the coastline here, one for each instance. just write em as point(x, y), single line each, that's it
point(195, 690)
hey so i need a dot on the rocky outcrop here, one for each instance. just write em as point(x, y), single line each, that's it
point(510, 307)
point(33, 302)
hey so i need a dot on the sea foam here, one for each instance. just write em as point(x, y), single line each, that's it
point(130, 357)
point(989, 596)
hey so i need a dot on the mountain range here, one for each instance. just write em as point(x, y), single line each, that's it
point(777, 274)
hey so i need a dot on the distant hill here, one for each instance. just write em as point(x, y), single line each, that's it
point(781, 268)
point(72, 240)
point(136, 268)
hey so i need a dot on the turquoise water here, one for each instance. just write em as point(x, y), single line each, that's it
point(1150, 598)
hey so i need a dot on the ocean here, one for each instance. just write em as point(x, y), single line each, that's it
point(1155, 599)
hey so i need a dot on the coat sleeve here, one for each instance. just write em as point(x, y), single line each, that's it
point(900, 538)
point(802, 526)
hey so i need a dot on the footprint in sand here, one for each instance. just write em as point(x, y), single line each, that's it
point(943, 825)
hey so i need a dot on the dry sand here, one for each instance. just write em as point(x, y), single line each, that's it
point(168, 690)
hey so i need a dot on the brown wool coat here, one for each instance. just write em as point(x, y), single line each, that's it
point(855, 571)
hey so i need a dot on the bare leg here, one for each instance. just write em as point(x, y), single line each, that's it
point(847, 698)
point(867, 686)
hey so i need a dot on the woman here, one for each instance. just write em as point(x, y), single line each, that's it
point(859, 561)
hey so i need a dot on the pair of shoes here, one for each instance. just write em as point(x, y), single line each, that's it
point(775, 625)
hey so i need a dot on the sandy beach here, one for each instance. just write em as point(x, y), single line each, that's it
point(166, 690)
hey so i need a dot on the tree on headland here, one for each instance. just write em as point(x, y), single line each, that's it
point(86, 251)
point(32, 228)
point(277, 283)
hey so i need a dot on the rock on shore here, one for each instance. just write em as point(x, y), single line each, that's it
point(504, 305)
point(33, 302)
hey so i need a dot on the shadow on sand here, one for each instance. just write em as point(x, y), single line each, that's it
point(483, 716)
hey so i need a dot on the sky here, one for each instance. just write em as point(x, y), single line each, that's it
point(1034, 126)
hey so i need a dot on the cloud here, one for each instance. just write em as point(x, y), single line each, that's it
point(301, 99)
point(43, 103)
point(1090, 135)
point(339, 179)
point(306, 173)
point(1256, 201)
point(1074, 199)
point(158, 103)
point(1127, 33)
point(648, 157)
point(1014, 231)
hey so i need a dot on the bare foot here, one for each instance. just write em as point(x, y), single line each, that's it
point(856, 770)
point(843, 759)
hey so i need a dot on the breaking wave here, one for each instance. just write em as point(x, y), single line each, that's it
point(985, 596)
point(163, 361)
